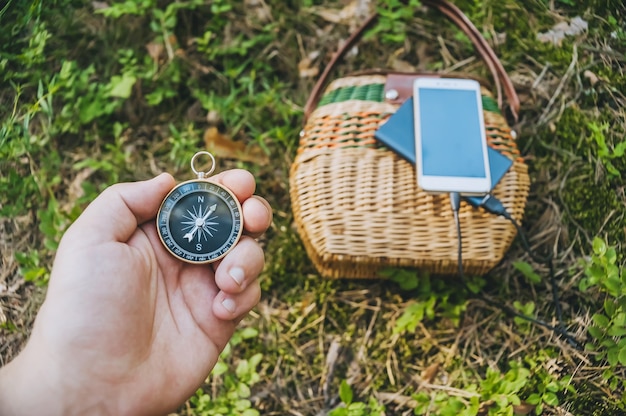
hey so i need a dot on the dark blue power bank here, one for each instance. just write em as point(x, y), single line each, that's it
point(399, 135)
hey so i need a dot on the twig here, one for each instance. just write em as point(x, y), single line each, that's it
point(559, 88)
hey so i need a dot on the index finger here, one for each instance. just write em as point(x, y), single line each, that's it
point(257, 212)
point(239, 181)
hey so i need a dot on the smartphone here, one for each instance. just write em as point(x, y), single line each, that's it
point(397, 133)
point(450, 140)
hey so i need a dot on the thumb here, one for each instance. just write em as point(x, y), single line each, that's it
point(115, 214)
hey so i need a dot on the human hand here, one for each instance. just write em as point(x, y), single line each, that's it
point(126, 328)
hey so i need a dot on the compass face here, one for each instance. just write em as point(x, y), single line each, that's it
point(199, 221)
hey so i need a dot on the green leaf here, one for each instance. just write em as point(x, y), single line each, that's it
point(429, 307)
point(412, 316)
point(527, 270)
point(550, 399)
point(590, 347)
point(599, 246)
point(249, 332)
point(616, 331)
point(534, 398)
point(595, 274)
point(338, 411)
point(356, 408)
point(219, 369)
point(243, 390)
point(613, 171)
point(584, 284)
point(34, 274)
point(610, 307)
point(618, 151)
point(609, 343)
point(621, 357)
point(600, 320)
point(527, 309)
point(611, 255)
point(475, 285)
point(607, 374)
point(407, 280)
point(553, 386)
point(345, 392)
point(122, 86)
point(619, 319)
point(242, 369)
point(241, 405)
point(612, 271)
point(256, 359)
point(612, 356)
point(613, 286)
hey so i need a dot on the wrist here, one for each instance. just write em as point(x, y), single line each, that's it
point(34, 384)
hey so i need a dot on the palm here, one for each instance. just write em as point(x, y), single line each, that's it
point(153, 324)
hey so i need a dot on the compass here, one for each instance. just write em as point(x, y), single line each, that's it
point(199, 221)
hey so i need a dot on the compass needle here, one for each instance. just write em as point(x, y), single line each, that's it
point(189, 235)
point(211, 210)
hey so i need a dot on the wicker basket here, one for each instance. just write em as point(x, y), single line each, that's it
point(357, 205)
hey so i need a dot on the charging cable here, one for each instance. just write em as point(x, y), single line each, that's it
point(494, 206)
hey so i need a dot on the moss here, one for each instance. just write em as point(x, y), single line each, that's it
point(589, 194)
point(591, 401)
point(287, 260)
point(590, 204)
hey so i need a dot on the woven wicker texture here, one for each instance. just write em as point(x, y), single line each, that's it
point(357, 205)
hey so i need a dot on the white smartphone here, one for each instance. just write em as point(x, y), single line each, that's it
point(450, 141)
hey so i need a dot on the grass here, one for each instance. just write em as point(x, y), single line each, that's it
point(92, 95)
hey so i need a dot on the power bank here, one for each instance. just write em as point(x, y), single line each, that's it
point(397, 134)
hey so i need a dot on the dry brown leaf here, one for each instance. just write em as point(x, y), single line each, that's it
point(352, 14)
point(99, 5)
point(304, 66)
point(213, 117)
point(155, 50)
point(222, 145)
point(593, 78)
point(429, 373)
point(523, 408)
point(262, 12)
point(75, 190)
point(401, 65)
point(562, 29)
point(216, 141)
point(483, 409)
point(330, 15)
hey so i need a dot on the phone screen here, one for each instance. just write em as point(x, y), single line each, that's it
point(451, 136)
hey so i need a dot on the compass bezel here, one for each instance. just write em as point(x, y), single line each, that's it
point(218, 194)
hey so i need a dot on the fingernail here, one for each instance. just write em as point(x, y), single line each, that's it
point(229, 304)
point(237, 274)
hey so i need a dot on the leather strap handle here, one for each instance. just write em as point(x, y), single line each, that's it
point(453, 13)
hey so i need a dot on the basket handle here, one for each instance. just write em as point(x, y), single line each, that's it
point(453, 13)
